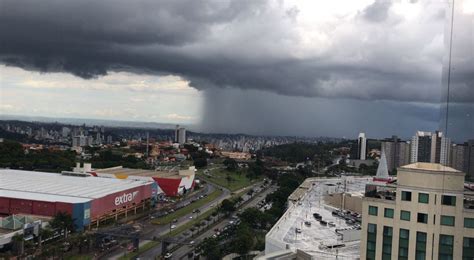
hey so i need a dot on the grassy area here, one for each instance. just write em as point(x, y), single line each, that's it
point(142, 249)
point(230, 180)
point(188, 209)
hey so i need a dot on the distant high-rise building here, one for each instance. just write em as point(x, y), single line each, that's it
point(430, 147)
point(65, 131)
point(362, 147)
point(396, 151)
point(180, 135)
point(457, 156)
point(469, 159)
point(98, 139)
point(109, 139)
point(82, 140)
point(89, 140)
point(79, 141)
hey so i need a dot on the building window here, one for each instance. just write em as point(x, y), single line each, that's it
point(420, 253)
point(405, 215)
point(447, 220)
point(469, 222)
point(445, 247)
point(403, 243)
point(371, 240)
point(387, 243)
point(468, 248)
point(406, 195)
point(423, 197)
point(373, 210)
point(388, 213)
point(422, 218)
point(448, 200)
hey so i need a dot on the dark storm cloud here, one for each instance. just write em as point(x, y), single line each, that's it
point(237, 44)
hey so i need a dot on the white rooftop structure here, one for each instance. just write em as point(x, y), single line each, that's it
point(316, 239)
point(57, 187)
point(382, 170)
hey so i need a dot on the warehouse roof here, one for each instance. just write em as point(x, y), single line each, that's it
point(57, 187)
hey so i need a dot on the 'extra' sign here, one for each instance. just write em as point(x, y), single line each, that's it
point(126, 197)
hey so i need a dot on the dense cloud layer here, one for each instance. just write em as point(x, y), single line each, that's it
point(379, 51)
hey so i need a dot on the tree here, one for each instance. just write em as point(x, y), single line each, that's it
point(64, 222)
point(210, 248)
point(200, 162)
point(227, 206)
point(243, 241)
point(230, 164)
point(18, 244)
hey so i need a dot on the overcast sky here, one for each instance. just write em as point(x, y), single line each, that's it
point(313, 68)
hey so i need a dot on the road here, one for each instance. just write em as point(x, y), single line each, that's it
point(150, 254)
point(150, 230)
point(182, 252)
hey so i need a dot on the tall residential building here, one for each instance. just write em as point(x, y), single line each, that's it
point(180, 135)
point(457, 156)
point(469, 160)
point(65, 131)
point(362, 147)
point(397, 152)
point(425, 215)
point(430, 147)
point(109, 139)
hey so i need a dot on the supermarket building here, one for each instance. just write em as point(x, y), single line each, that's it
point(88, 199)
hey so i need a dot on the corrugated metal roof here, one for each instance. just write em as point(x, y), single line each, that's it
point(56, 187)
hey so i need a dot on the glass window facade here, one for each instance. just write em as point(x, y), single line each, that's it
point(446, 243)
point(468, 248)
point(469, 222)
point(403, 243)
point(373, 210)
point(447, 220)
point(420, 253)
point(423, 197)
point(422, 218)
point(387, 243)
point(448, 200)
point(388, 213)
point(405, 215)
point(406, 195)
point(371, 241)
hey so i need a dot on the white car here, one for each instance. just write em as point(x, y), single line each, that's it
point(168, 255)
point(173, 226)
point(190, 217)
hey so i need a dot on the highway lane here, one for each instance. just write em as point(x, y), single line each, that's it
point(182, 252)
point(150, 254)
